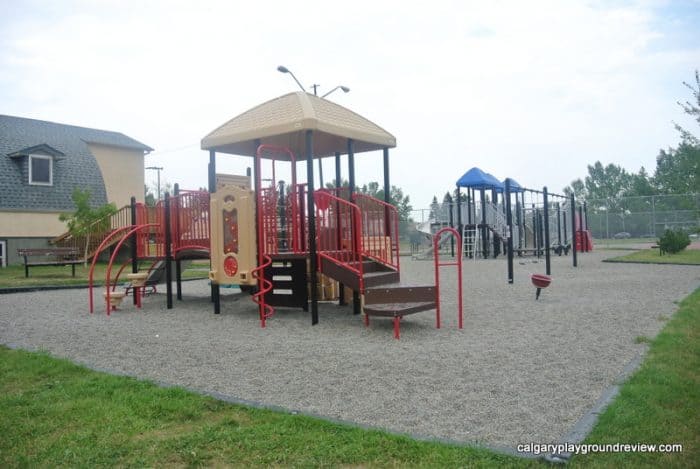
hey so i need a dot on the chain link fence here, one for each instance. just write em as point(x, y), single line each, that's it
point(643, 217)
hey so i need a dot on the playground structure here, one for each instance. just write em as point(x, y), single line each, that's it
point(276, 241)
point(497, 217)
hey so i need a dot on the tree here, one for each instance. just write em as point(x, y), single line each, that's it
point(641, 184)
point(86, 220)
point(607, 182)
point(446, 207)
point(678, 170)
point(396, 198)
point(692, 109)
point(578, 188)
point(149, 197)
point(434, 210)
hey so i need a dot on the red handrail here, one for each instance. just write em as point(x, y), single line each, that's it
point(380, 222)
point(458, 263)
point(94, 261)
point(134, 229)
point(338, 232)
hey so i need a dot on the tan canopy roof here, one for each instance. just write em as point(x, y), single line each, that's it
point(284, 121)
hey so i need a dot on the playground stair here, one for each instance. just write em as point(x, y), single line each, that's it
point(383, 293)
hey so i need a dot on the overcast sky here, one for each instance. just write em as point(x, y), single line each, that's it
point(533, 90)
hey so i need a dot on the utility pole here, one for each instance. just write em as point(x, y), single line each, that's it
point(158, 169)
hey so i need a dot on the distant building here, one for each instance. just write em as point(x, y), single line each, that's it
point(42, 163)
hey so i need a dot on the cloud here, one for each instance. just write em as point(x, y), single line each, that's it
point(533, 90)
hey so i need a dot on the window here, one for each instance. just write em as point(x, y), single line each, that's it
point(40, 170)
point(3, 255)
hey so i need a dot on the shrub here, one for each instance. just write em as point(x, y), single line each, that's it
point(673, 241)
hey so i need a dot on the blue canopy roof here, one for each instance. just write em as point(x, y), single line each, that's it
point(514, 186)
point(475, 178)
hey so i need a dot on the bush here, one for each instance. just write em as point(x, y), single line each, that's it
point(673, 241)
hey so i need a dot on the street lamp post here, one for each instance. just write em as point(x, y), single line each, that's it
point(158, 169)
point(283, 69)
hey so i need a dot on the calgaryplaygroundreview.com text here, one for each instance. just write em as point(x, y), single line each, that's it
point(539, 448)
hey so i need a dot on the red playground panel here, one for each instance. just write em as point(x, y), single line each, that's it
point(584, 241)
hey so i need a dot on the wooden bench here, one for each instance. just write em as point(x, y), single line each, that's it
point(49, 256)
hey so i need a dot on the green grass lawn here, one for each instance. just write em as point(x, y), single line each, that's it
point(660, 403)
point(54, 413)
point(651, 256)
point(13, 276)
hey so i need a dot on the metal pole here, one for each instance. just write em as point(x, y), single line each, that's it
point(134, 248)
point(338, 184)
point(215, 288)
point(356, 305)
point(509, 222)
point(313, 261)
point(387, 193)
point(452, 224)
point(559, 225)
point(547, 261)
point(168, 255)
point(573, 229)
point(484, 243)
point(178, 264)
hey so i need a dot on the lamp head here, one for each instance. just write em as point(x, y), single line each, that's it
point(282, 69)
point(345, 89)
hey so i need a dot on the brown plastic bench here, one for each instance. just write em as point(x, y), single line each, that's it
point(49, 256)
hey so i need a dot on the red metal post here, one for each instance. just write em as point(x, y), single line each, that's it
point(458, 264)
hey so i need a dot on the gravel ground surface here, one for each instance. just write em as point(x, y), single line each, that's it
point(520, 371)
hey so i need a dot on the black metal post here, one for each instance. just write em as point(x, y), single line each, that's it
point(168, 254)
point(313, 261)
point(519, 222)
point(134, 241)
point(536, 229)
point(214, 287)
point(547, 259)
point(470, 200)
point(356, 305)
point(339, 235)
point(579, 229)
point(573, 229)
point(387, 194)
point(585, 227)
point(459, 211)
point(484, 241)
point(559, 226)
point(509, 222)
point(452, 223)
point(178, 263)
point(565, 231)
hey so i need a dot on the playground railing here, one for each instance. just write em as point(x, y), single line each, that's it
point(96, 233)
point(338, 231)
point(189, 215)
point(379, 238)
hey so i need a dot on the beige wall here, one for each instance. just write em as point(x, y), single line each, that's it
point(122, 171)
point(30, 224)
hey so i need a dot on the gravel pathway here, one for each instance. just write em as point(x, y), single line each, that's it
point(520, 371)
